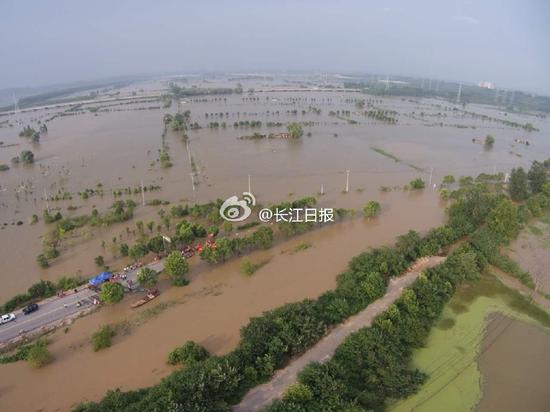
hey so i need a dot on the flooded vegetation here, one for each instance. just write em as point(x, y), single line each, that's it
point(302, 206)
point(90, 158)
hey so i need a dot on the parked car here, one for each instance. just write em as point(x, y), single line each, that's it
point(7, 318)
point(33, 307)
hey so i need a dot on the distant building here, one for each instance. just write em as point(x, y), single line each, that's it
point(486, 85)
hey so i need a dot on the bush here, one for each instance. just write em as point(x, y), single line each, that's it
point(371, 209)
point(188, 353)
point(147, 277)
point(417, 183)
point(39, 355)
point(111, 292)
point(176, 266)
point(42, 261)
point(102, 338)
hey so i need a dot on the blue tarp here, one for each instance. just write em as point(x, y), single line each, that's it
point(99, 279)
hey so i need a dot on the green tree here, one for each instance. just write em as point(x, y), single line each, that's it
point(417, 183)
point(138, 250)
point(42, 261)
point(124, 249)
point(39, 355)
point(27, 157)
point(448, 180)
point(518, 184)
point(298, 393)
point(489, 141)
point(111, 292)
point(156, 244)
point(102, 338)
point(187, 354)
point(537, 176)
point(295, 130)
point(262, 238)
point(147, 277)
point(99, 261)
point(176, 267)
point(503, 219)
point(371, 209)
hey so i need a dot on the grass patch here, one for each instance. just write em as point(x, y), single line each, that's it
point(248, 268)
point(452, 348)
point(301, 246)
point(395, 158)
point(22, 352)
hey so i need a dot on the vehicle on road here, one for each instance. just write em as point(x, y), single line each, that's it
point(7, 318)
point(33, 307)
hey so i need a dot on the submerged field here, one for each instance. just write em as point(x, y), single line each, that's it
point(460, 341)
point(116, 145)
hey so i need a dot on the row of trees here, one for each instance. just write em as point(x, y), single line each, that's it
point(373, 365)
point(226, 248)
point(270, 340)
point(523, 184)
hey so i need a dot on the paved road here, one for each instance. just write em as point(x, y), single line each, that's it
point(261, 396)
point(55, 309)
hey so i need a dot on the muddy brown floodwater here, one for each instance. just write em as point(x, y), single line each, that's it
point(117, 146)
point(515, 366)
point(217, 303)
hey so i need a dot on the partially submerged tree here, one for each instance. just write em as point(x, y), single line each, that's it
point(147, 277)
point(176, 267)
point(111, 292)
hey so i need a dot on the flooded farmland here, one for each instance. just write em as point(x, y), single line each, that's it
point(116, 145)
point(511, 383)
point(104, 147)
point(210, 311)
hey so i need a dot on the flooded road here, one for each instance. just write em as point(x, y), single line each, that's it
point(211, 310)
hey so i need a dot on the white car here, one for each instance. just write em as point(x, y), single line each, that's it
point(7, 318)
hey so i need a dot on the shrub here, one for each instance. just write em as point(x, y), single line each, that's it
point(188, 353)
point(371, 209)
point(39, 355)
point(417, 183)
point(111, 292)
point(102, 338)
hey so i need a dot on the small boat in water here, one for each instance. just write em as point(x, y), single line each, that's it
point(152, 294)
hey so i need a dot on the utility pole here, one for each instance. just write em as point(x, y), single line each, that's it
point(193, 180)
point(431, 174)
point(47, 201)
point(142, 194)
point(347, 180)
point(459, 94)
point(188, 151)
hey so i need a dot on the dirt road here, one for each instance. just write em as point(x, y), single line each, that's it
point(262, 395)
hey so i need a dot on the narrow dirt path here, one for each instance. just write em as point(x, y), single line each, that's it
point(262, 395)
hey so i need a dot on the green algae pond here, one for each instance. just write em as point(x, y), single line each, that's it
point(486, 330)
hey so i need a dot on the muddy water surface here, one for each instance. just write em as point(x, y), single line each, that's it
point(515, 366)
point(210, 311)
point(119, 148)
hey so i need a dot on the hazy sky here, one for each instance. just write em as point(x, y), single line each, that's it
point(503, 41)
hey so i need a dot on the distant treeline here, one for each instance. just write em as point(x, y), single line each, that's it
point(511, 100)
point(180, 92)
